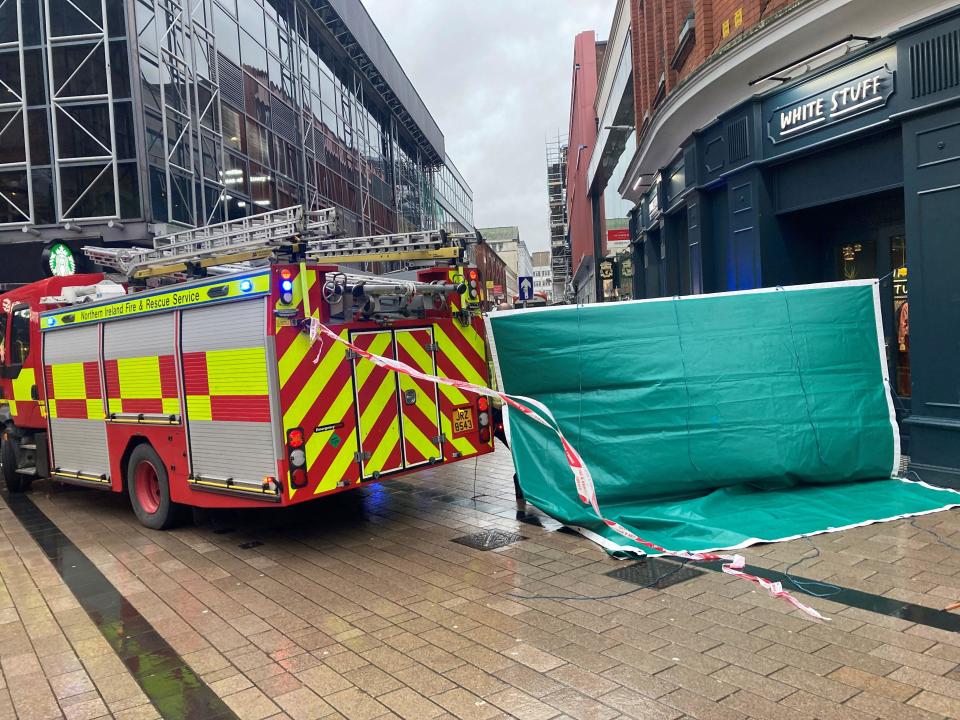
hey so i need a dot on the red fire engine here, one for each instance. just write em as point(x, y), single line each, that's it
point(211, 392)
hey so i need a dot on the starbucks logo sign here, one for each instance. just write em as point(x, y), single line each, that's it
point(61, 260)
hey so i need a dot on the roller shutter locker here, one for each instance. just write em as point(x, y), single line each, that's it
point(75, 404)
point(226, 384)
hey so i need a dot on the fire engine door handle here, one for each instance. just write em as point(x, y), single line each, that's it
point(33, 392)
point(410, 397)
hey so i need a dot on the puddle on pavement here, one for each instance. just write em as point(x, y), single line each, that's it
point(173, 688)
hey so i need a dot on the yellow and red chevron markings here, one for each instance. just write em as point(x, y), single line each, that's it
point(461, 355)
point(318, 397)
point(356, 417)
point(420, 418)
point(377, 401)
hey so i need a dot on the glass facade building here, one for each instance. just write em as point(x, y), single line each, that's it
point(120, 117)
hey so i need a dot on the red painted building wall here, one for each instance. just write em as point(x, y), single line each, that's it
point(582, 135)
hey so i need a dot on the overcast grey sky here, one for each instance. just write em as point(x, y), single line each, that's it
point(496, 76)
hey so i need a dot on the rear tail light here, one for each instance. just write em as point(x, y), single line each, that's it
point(483, 418)
point(298, 478)
point(295, 438)
point(297, 457)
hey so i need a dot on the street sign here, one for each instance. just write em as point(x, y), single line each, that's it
point(525, 283)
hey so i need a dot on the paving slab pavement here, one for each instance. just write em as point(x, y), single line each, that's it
point(361, 606)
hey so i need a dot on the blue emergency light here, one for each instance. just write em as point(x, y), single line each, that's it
point(246, 285)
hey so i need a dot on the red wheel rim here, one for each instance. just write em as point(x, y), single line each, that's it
point(147, 486)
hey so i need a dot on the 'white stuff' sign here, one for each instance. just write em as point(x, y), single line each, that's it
point(835, 104)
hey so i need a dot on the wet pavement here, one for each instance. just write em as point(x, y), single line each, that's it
point(421, 598)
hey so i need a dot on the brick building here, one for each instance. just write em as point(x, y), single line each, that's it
point(493, 271)
point(675, 37)
point(582, 134)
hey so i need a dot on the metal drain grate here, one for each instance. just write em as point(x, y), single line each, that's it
point(655, 573)
point(489, 539)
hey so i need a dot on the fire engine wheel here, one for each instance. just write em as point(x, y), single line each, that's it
point(16, 482)
point(149, 489)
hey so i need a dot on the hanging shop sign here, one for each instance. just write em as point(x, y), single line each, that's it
point(618, 238)
point(863, 93)
point(900, 284)
point(653, 201)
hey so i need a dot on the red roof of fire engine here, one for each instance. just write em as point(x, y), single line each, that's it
point(49, 286)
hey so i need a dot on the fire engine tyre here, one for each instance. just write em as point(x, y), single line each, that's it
point(16, 482)
point(149, 489)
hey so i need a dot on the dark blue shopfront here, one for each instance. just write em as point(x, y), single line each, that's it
point(851, 171)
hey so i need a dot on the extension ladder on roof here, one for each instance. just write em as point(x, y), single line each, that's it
point(248, 238)
point(398, 247)
point(260, 236)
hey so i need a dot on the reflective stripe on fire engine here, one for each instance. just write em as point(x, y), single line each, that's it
point(227, 385)
point(23, 385)
point(73, 391)
point(142, 385)
point(206, 292)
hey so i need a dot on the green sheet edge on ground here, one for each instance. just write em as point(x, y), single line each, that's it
point(712, 421)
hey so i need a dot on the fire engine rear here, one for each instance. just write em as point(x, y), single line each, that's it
point(214, 392)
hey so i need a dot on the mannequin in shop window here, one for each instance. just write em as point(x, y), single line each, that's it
point(903, 341)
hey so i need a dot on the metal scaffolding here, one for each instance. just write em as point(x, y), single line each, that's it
point(189, 92)
point(69, 102)
point(557, 216)
point(19, 167)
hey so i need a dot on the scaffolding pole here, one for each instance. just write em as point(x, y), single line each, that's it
point(557, 214)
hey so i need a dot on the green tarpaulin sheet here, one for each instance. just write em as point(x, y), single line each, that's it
point(714, 421)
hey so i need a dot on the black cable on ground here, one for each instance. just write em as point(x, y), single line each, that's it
point(937, 536)
point(805, 586)
point(913, 521)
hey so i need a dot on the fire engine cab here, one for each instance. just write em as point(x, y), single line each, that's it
point(188, 376)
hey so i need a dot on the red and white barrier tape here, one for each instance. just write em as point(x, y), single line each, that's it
point(732, 564)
